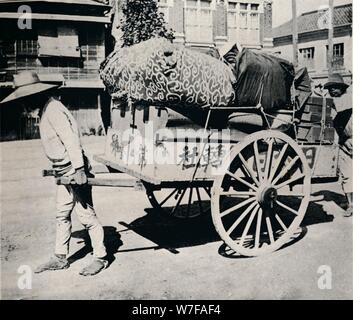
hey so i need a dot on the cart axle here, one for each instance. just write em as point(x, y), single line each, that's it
point(266, 196)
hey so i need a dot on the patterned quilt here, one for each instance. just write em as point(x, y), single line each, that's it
point(159, 72)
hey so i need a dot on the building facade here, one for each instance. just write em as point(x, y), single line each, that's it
point(63, 41)
point(313, 42)
point(218, 23)
point(68, 39)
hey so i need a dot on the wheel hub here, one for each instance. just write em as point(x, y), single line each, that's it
point(266, 196)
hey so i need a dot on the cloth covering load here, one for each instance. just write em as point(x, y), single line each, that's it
point(158, 72)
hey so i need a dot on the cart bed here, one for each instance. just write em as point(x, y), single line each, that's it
point(156, 174)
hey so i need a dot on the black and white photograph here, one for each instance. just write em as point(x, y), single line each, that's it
point(176, 150)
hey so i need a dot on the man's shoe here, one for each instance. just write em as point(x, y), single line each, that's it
point(55, 263)
point(95, 267)
point(349, 212)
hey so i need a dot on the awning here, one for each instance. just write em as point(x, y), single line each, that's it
point(51, 77)
point(93, 84)
point(74, 2)
point(58, 17)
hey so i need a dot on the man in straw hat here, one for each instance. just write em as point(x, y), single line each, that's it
point(60, 138)
point(337, 89)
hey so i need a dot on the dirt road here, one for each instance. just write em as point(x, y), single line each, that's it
point(160, 258)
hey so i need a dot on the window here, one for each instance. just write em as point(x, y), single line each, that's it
point(243, 16)
point(254, 17)
point(254, 21)
point(163, 7)
point(232, 6)
point(306, 57)
point(243, 20)
point(60, 41)
point(26, 47)
point(198, 21)
point(232, 21)
point(338, 50)
point(254, 7)
point(337, 56)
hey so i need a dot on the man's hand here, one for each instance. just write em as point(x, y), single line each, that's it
point(349, 146)
point(80, 176)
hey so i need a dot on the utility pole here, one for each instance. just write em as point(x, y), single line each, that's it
point(295, 33)
point(330, 38)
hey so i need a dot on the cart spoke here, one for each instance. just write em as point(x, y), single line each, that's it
point(168, 197)
point(189, 202)
point(281, 204)
point(269, 229)
point(258, 228)
point(280, 221)
point(286, 169)
point(286, 183)
point(257, 160)
point(245, 164)
point(238, 206)
point(241, 180)
point(240, 219)
point(178, 202)
point(248, 224)
point(291, 194)
point(199, 200)
point(278, 162)
point(268, 159)
point(238, 193)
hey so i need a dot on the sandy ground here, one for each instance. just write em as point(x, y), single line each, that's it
point(160, 258)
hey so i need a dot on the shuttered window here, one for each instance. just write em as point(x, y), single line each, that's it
point(199, 21)
point(306, 57)
point(62, 41)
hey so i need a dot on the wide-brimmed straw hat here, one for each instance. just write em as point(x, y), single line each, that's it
point(27, 83)
point(335, 80)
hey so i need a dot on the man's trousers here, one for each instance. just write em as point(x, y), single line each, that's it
point(79, 198)
point(345, 168)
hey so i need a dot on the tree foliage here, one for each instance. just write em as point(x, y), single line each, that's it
point(142, 21)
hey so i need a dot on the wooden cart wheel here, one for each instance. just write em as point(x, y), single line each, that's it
point(180, 202)
point(260, 199)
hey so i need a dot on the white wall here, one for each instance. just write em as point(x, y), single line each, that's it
point(286, 52)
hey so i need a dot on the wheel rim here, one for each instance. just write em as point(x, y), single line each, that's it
point(180, 202)
point(253, 209)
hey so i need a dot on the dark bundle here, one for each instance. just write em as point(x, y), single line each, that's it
point(262, 78)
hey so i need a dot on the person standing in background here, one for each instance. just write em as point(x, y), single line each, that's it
point(337, 89)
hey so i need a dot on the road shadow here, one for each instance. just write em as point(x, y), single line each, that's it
point(112, 242)
point(316, 214)
point(173, 233)
point(339, 199)
point(227, 252)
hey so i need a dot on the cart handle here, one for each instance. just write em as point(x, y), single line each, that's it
point(102, 182)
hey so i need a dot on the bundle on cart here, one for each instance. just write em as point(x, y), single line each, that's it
point(262, 78)
point(158, 72)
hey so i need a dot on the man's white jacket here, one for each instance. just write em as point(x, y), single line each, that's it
point(60, 138)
